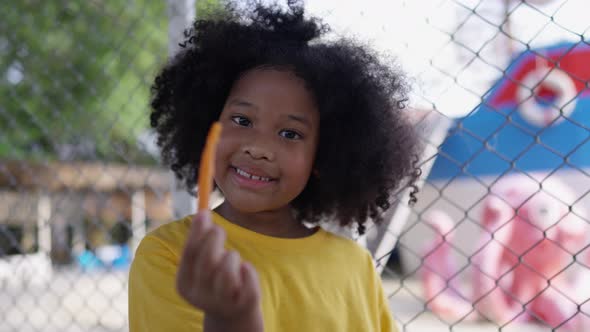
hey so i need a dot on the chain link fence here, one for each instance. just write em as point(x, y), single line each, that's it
point(497, 242)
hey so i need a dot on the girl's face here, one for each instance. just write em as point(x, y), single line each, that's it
point(268, 142)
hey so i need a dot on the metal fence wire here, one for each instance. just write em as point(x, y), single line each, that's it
point(498, 240)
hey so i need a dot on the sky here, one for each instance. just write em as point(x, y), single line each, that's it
point(452, 50)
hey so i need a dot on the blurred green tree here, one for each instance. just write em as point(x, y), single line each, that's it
point(75, 77)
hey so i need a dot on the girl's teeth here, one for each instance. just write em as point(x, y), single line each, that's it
point(250, 176)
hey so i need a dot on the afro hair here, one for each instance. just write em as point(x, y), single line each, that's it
point(368, 149)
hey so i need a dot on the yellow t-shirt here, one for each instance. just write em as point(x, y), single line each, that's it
point(322, 282)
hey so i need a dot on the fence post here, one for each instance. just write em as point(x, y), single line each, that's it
point(138, 217)
point(400, 213)
point(43, 226)
point(181, 13)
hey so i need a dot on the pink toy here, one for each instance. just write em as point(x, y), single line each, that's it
point(441, 288)
point(521, 267)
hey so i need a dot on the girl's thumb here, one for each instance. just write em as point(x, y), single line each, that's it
point(250, 282)
point(203, 216)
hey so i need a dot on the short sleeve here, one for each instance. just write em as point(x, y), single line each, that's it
point(154, 304)
point(386, 321)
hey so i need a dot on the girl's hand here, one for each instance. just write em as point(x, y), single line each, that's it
point(216, 281)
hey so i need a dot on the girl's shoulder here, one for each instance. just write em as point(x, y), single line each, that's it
point(349, 248)
point(170, 236)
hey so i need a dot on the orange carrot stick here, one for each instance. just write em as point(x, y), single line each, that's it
point(207, 166)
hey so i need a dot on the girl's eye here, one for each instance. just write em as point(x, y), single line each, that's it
point(290, 134)
point(240, 120)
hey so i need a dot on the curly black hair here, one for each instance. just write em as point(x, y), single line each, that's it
point(368, 149)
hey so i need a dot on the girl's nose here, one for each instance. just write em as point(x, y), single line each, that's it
point(258, 151)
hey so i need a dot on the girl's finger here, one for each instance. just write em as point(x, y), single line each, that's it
point(227, 275)
point(200, 225)
point(211, 252)
point(249, 289)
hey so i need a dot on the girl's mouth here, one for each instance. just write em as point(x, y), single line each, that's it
point(252, 176)
point(248, 179)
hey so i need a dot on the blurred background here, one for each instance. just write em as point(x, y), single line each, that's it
point(498, 240)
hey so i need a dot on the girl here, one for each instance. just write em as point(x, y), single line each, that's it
point(312, 131)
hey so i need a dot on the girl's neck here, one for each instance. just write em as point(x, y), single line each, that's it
point(276, 223)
